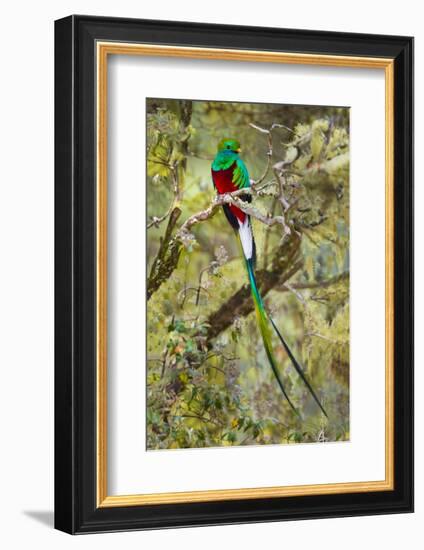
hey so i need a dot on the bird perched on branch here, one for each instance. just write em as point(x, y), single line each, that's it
point(229, 174)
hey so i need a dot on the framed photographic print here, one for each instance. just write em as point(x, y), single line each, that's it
point(234, 269)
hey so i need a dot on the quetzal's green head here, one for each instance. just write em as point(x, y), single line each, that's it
point(229, 144)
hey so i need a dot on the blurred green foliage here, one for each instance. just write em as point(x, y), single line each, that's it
point(204, 391)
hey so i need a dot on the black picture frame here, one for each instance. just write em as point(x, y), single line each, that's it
point(76, 510)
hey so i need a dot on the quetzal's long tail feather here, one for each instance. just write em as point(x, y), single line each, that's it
point(298, 368)
point(263, 317)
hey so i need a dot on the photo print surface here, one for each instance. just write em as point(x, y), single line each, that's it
point(247, 274)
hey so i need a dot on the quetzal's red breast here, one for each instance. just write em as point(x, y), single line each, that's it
point(223, 181)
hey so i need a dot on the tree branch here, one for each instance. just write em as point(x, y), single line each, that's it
point(167, 257)
point(165, 262)
point(285, 264)
point(170, 249)
point(227, 198)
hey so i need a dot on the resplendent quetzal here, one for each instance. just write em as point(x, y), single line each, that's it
point(229, 174)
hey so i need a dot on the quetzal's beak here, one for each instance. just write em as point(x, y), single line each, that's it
point(238, 150)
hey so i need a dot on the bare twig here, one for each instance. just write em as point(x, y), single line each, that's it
point(173, 169)
point(300, 140)
point(315, 284)
point(267, 236)
point(277, 125)
point(322, 336)
point(296, 293)
point(196, 290)
point(163, 360)
point(279, 169)
point(159, 161)
point(186, 109)
point(269, 152)
point(200, 287)
point(222, 371)
point(228, 198)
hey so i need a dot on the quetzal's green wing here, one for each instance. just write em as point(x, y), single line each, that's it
point(241, 175)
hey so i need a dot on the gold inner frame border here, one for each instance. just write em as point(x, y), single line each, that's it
point(103, 50)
